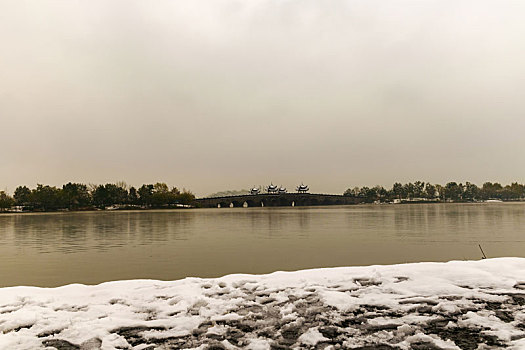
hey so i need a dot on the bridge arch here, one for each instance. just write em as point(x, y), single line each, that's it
point(237, 204)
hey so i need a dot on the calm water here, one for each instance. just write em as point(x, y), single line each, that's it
point(93, 247)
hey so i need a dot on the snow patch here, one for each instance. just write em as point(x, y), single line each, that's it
point(412, 305)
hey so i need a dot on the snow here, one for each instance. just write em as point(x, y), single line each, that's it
point(454, 305)
point(312, 336)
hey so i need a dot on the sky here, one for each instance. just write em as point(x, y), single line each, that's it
point(213, 95)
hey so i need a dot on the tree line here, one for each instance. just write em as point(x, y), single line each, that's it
point(78, 196)
point(452, 191)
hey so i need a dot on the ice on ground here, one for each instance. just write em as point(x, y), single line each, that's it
point(454, 305)
point(312, 336)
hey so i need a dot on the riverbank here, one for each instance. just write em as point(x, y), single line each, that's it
point(95, 209)
point(241, 204)
point(454, 305)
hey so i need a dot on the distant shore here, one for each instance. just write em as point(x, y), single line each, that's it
point(120, 196)
point(95, 209)
point(189, 206)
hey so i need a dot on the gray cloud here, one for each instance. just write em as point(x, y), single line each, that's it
point(216, 95)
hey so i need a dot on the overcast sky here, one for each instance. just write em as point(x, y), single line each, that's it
point(216, 95)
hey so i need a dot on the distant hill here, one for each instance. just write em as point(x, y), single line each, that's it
point(229, 193)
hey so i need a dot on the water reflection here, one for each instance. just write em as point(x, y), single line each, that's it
point(91, 247)
point(101, 231)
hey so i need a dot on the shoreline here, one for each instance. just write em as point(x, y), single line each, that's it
point(185, 207)
point(453, 305)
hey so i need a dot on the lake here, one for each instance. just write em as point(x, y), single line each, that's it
point(52, 249)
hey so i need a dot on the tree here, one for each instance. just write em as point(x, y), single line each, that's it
point(398, 190)
point(78, 195)
point(162, 195)
point(22, 195)
point(491, 190)
point(160, 187)
point(409, 190)
point(419, 189)
point(352, 192)
point(381, 192)
point(75, 195)
point(122, 184)
point(145, 193)
point(453, 191)
point(186, 197)
point(46, 197)
point(513, 191)
point(6, 201)
point(100, 196)
point(117, 193)
point(133, 197)
point(363, 192)
point(369, 194)
point(471, 191)
point(109, 194)
point(440, 191)
point(430, 191)
point(176, 191)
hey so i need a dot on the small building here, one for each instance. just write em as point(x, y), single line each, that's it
point(302, 188)
point(272, 189)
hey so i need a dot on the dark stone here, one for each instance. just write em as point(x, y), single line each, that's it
point(439, 323)
point(401, 279)
point(198, 331)
point(518, 299)
point(366, 282)
point(26, 326)
point(464, 338)
point(60, 344)
point(48, 333)
point(520, 285)
point(132, 336)
point(517, 336)
point(380, 327)
point(268, 301)
point(374, 308)
point(329, 332)
point(216, 346)
point(245, 327)
point(266, 333)
point(214, 336)
point(286, 342)
point(505, 316)
point(424, 346)
point(352, 321)
point(422, 309)
point(419, 301)
point(291, 332)
point(493, 305)
point(376, 347)
point(234, 333)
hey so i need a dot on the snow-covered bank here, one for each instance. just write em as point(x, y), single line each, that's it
point(454, 305)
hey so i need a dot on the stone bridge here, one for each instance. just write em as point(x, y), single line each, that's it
point(276, 200)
